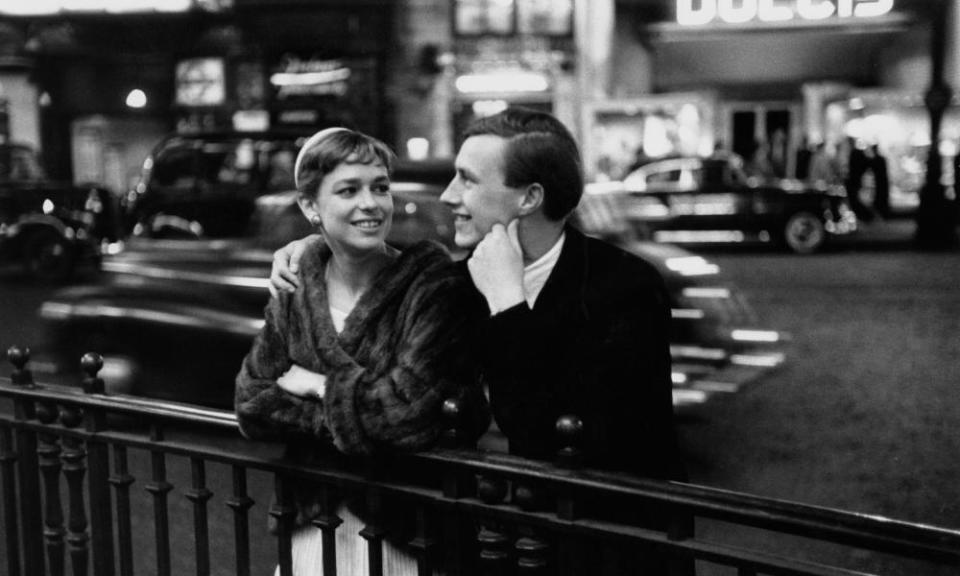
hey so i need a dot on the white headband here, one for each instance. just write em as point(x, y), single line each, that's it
point(309, 144)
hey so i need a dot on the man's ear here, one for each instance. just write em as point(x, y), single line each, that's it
point(532, 199)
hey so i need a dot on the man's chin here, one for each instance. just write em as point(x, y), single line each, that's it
point(465, 242)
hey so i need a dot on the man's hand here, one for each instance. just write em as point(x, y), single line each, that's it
point(286, 264)
point(496, 267)
point(302, 382)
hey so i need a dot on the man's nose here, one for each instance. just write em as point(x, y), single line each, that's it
point(451, 195)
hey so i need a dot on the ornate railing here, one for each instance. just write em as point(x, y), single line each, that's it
point(476, 512)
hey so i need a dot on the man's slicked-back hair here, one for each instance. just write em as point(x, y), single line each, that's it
point(539, 150)
point(327, 149)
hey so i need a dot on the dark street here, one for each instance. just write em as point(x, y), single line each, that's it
point(861, 417)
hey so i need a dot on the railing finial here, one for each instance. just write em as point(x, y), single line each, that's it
point(91, 363)
point(19, 357)
point(569, 433)
point(450, 413)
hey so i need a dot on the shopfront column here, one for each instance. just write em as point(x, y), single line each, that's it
point(937, 215)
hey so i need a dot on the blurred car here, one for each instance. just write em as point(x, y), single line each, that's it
point(205, 184)
point(49, 227)
point(175, 316)
point(706, 200)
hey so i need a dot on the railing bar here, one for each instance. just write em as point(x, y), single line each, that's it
point(282, 513)
point(200, 495)
point(327, 522)
point(158, 487)
point(31, 528)
point(8, 460)
point(74, 456)
point(48, 453)
point(423, 543)
point(240, 503)
point(120, 403)
point(121, 481)
point(373, 532)
point(101, 507)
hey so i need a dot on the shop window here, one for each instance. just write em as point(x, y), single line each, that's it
point(507, 17)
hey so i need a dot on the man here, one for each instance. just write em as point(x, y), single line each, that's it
point(576, 326)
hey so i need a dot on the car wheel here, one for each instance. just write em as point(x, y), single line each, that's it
point(48, 256)
point(804, 233)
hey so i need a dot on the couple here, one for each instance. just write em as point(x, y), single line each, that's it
point(362, 344)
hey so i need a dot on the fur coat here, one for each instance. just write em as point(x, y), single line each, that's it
point(402, 352)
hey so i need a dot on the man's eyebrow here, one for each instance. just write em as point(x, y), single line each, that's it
point(464, 171)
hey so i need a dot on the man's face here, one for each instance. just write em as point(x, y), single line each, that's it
point(477, 195)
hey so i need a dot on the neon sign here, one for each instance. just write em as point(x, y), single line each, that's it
point(700, 12)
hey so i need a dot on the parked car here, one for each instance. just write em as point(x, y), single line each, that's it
point(706, 200)
point(49, 227)
point(175, 316)
point(205, 184)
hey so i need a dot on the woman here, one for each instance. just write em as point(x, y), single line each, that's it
point(369, 347)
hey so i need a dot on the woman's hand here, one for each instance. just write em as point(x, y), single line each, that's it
point(302, 382)
point(286, 264)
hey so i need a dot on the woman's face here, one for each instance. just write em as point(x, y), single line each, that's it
point(355, 207)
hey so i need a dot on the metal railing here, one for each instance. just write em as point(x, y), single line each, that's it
point(475, 512)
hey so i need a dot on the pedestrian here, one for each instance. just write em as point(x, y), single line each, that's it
point(339, 360)
point(575, 325)
point(822, 170)
point(881, 182)
point(857, 166)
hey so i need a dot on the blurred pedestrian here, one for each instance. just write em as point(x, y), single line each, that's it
point(575, 325)
point(802, 160)
point(760, 163)
point(340, 361)
point(881, 181)
point(857, 165)
point(821, 166)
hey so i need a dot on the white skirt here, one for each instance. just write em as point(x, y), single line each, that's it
point(352, 556)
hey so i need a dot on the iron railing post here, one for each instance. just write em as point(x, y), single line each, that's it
point(28, 477)
point(98, 461)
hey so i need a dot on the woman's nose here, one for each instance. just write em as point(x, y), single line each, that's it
point(366, 199)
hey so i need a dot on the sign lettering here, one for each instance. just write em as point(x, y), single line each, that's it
point(701, 12)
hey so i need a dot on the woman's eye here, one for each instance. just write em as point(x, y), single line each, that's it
point(348, 191)
point(382, 189)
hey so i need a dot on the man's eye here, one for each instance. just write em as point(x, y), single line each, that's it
point(348, 191)
point(382, 189)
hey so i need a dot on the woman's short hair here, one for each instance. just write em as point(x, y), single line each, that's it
point(327, 149)
point(541, 150)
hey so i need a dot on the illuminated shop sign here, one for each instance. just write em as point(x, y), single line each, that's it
point(700, 12)
point(200, 82)
point(297, 77)
point(50, 7)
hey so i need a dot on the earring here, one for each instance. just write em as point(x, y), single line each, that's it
point(315, 219)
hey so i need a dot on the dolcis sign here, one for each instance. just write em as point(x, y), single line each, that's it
point(700, 12)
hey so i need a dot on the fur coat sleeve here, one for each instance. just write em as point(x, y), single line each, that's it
point(403, 351)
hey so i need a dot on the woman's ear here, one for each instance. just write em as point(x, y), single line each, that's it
point(309, 208)
point(532, 199)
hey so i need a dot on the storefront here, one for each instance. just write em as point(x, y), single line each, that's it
point(760, 75)
point(112, 78)
point(511, 53)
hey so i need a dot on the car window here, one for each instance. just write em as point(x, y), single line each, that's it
point(279, 167)
point(665, 177)
point(19, 163)
point(175, 167)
